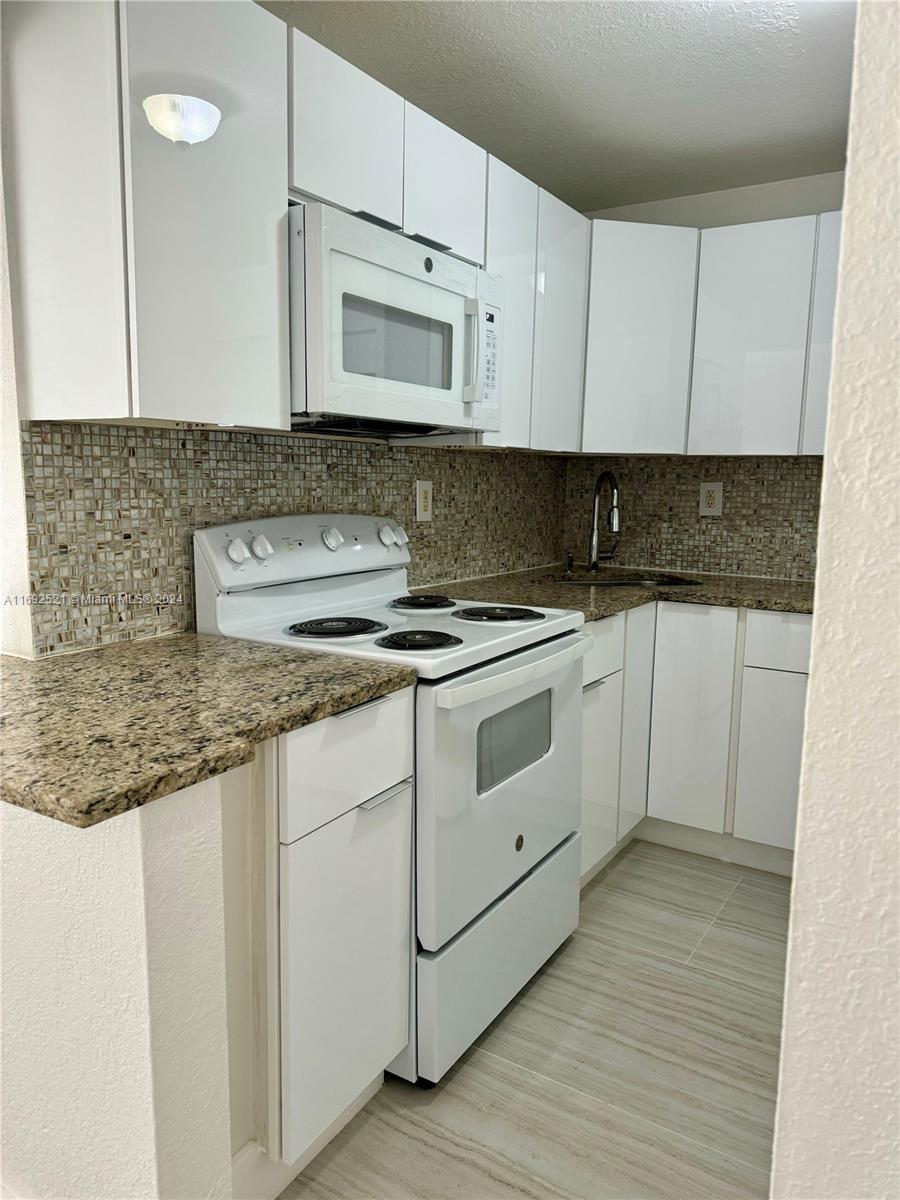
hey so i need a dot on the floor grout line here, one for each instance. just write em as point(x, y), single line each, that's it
point(712, 922)
point(627, 1112)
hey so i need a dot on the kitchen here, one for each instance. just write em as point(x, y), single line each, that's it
point(411, 620)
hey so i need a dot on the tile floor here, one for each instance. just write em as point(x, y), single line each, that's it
point(640, 1062)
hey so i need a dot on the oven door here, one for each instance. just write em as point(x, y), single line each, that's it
point(498, 780)
point(391, 326)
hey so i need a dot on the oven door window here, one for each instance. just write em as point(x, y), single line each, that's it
point(390, 343)
point(512, 740)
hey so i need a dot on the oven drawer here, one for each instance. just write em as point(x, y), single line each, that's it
point(464, 986)
point(327, 768)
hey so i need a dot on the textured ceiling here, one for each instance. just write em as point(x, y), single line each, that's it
point(614, 102)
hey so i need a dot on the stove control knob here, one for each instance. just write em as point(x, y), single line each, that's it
point(401, 535)
point(262, 548)
point(237, 551)
point(386, 536)
point(333, 538)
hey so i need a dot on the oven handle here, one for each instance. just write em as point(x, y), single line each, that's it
point(468, 692)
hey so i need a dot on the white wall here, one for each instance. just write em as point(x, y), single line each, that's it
point(114, 1050)
point(838, 1119)
point(734, 206)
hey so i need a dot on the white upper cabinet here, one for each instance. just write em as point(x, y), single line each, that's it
point(512, 217)
point(207, 224)
point(638, 361)
point(67, 250)
point(346, 136)
point(559, 325)
point(753, 303)
point(818, 369)
point(444, 186)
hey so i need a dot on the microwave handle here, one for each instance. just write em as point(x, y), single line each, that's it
point(466, 693)
point(474, 388)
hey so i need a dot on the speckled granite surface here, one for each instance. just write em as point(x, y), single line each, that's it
point(92, 735)
point(539, 588)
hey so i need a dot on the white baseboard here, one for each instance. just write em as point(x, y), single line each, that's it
point(723, 846)
point(255, 1176)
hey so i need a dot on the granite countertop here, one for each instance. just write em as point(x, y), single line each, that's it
point(88, 736)
point(539, 589)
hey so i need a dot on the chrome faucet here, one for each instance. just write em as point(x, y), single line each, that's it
point(613, 520)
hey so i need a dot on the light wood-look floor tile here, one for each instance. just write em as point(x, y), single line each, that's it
point(640, 1062)
point(492, 1130)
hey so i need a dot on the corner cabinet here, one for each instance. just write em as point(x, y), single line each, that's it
point(511, 252)
point(346, 134)
point(753, 303)
point(157, 286)
point(563, 250)
point(641, 316)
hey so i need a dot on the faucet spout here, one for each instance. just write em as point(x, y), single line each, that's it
point(613, 520)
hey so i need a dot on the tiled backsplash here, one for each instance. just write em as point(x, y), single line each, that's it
point(111, 510)
point(769, 513)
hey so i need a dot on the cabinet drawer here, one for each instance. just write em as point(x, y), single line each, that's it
point(607, 651)
point(345, 915)
point(779, 641)
point(327, 768)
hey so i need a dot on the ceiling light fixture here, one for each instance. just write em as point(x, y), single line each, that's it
point(182, 118)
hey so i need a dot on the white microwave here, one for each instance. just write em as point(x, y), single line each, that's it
point(387, 330)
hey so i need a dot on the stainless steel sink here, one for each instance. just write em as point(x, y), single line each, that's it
point(639, 579)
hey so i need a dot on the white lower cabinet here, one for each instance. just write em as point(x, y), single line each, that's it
point(345, 959)
point(601, 731)
point(637, 697)
point(769, 752)
point(693, 685)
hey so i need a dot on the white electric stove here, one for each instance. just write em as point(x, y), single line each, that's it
point(497, 741)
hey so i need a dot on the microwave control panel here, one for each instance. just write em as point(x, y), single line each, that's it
point(491, 334)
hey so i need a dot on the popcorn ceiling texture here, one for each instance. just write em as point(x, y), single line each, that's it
point(111, 509)
point(768, 524)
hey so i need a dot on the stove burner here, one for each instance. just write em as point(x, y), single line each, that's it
point(335, 627)
point(418, 639)
point(423, 602)
point(498, 612)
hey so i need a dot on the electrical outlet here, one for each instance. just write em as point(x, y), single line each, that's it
point(423, 499)
point(710, 499)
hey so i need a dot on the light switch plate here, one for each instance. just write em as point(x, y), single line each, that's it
point(423, 499)
point(710, 499)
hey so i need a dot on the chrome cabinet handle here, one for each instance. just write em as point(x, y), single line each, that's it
point(589, 687)
point(387, 794)
point(349, 712)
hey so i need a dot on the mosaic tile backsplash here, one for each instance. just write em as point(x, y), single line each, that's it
point(111, 510)
point(768, 524)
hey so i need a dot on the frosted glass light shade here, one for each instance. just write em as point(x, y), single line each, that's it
point(182, 118)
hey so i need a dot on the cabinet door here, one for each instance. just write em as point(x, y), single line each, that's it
point(637, 695)
point(818, 367)
point(641, 322)
point(753, 297)
point(345, 961)
point(512, 211)
point(346, 139)
point(559, 325)
point(769, 751)
point(693, 682)
point(207, 224)
point(601, 730)
point(444, 186)
point(63, 189)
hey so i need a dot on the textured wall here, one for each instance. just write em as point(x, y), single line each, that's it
point(768, 523)
point(112, 509)
point(838, 1120)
